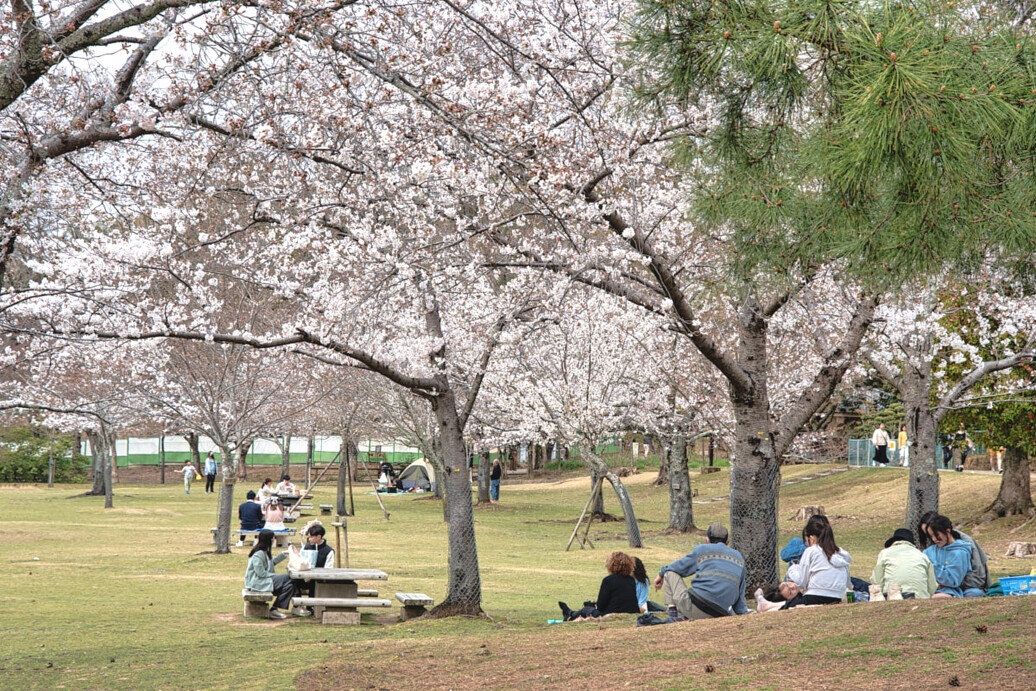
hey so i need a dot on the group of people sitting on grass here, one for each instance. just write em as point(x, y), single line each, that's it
point(950, 565)
point(260, 575)
point(265, 510)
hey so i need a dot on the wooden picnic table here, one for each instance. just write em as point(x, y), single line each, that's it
point(291, 498)
point(339, 584)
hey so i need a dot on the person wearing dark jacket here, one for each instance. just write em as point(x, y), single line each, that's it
point(617, 595)
point(494, 481)
point(251, 515)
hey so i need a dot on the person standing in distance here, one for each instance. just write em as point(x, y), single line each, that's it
point(718, 587)
point(494, 481)
point(210, 473)
point(904, 447)
point(880, 440)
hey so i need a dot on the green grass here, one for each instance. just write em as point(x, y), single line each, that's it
point(132, 596)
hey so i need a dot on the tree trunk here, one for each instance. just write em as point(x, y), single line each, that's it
point(1015, 495)
point(310, 443)
point(484, 468)
point(344, 469)
point(241, 460)
point(663, 467)
point(115, 458)
point(192, 443)
point(286, 455)
point(50, 464)
point(597, 507)
point(923, 489)
point(109, 470)
point(755, 467)
point(681, 510)
point(161, 458)
point(96, 462)
point(242, 456)
point(225, 505)
point(464, 591)
point(601, 469)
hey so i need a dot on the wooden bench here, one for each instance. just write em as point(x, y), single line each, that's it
point(257, 604)
point(336, 597)
point(413, 604)
point(280, 538)
point(338, 610)
point(326, 509)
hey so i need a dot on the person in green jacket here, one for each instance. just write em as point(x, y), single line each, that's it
point(901, 562)
point(260, 577)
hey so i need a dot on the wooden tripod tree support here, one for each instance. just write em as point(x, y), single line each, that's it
point(595, 491)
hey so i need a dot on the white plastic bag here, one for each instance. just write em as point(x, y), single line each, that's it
point(297, 561)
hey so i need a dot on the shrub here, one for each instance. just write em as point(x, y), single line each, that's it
point(25, 455)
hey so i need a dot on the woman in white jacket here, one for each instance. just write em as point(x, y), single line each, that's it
point(822, 573)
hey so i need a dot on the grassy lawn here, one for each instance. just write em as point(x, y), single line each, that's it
point(132, 596)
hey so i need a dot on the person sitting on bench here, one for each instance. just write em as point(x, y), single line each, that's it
point(719, 580)
point(251, 515)
point(618, 592)
point(266, 492)
point(286, 486)
point(325, 559)
point(274, 515)
point(260, 576)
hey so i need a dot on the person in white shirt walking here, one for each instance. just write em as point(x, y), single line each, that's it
point(880, 440)
point(189, 471)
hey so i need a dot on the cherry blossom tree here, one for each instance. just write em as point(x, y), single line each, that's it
point(939, 341)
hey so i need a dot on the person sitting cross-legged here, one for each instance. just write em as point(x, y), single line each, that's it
point(719, 580)
point(902, 563)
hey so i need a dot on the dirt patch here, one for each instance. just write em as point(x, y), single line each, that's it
point(984, 644)
point(239, 620)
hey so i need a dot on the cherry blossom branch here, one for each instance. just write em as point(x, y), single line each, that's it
point(975, 375)
point(25, 405)
point(837, 362)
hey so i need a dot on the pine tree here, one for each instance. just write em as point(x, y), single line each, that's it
point(899, 136)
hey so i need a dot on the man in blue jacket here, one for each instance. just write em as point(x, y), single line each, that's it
point(251, 515)
point(719, 580)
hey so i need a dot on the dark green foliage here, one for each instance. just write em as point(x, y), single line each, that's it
point(900, 136)
point(25, 454)
point(892, 416)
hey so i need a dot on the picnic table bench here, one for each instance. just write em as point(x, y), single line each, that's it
point(280, 536)
point(326, 509)
point(413, 604)
point(336, 598)
point(257, 603)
